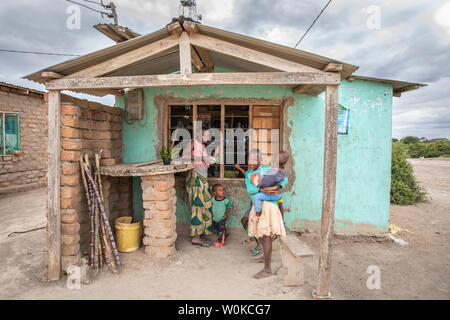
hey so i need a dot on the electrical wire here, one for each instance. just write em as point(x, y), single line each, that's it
point(312, 24)
point(83, 5)
point(42, 53)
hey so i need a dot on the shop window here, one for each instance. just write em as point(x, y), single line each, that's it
point(9, 133)
point(234, 147)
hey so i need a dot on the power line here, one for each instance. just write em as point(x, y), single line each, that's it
point(83, 5)
point(43, 53)
point(312, 23)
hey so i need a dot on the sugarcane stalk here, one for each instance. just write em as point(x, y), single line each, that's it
point(99, 181)
point(108, 252)
point(96, 238)
point(105, 218)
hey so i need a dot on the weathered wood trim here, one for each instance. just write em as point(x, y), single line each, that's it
point(197, 79)
point(329, 190)
point(51, 75)
point(333, 67)
point(128, 58)
point(185, 54)
point(200, 57)
point(54, 217)
point(175, 28)
point(248, 54)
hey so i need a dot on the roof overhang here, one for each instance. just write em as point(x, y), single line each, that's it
point(398, 87)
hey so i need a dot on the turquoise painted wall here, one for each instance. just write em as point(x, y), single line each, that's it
point(364, 154)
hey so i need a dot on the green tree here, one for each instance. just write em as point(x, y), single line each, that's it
point(438, 149)
point(409, 140)
point(395, 140)
point(404, 188)
point(417, 150)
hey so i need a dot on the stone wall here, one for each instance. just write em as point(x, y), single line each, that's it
point(87, 127)
point(25, 170)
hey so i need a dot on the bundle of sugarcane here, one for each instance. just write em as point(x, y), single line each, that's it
point(102, 243)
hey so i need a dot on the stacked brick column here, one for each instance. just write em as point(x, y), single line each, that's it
point(87, 127)
point(158, 194)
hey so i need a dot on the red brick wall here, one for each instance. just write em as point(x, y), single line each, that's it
point(87, 127)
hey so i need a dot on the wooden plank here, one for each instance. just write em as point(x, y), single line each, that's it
point(54, 218)
point(333, 67)
point(196, 79)
point(222, 141)
point(296, 245)
point(248, 54)
point(329, 191)
point(203, 56)
point(175, 28)
point(185, 54)
point(128, 58)
point(51, 75)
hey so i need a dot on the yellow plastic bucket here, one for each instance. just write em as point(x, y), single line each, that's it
point(128, 235)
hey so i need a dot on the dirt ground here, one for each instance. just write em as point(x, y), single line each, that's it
point(418, 270)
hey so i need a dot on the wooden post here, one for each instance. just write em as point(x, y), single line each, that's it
point(329, 192)
point(54, 221)
point(185, 54)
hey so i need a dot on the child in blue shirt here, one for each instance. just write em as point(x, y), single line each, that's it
point(275, 177)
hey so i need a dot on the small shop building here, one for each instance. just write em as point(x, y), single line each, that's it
point(337, 127)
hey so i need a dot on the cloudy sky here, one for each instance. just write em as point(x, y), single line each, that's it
point(410, 42)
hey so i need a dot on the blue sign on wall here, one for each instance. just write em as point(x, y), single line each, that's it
point(343, 114)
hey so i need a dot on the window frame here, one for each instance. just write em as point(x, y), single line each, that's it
point(224, 102)
point(3, 116)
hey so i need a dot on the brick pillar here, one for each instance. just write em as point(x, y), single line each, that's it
point(158, 194)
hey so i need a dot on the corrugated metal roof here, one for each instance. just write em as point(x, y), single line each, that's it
point(23, 89)
point(168, 62)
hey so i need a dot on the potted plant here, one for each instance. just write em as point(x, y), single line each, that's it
point(165, 155)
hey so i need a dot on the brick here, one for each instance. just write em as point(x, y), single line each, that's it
point(67, 261)
point(70, 250)
point(102, 125)
point(71, 133)
point(69, 216)
point(164, 185)
point(70, 168)
point(72, 180)
point(160, 232)
point(101, 116)
point(71, 239)
point(70, 110)
point(69, 203)
point(166, 205)
point(108, 162)
point(69, 121)
point(69, 192)
point(70, 155)
point(72, 144)
point(70, 228)
point(149, 241)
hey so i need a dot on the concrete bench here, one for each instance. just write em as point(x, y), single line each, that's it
point(293, 252)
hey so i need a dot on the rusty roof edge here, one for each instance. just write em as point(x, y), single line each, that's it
point(402, 86)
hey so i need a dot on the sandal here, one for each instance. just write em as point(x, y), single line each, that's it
point(201, 244)
point(255, 252)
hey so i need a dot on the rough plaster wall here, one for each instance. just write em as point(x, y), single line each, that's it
point(363, 176)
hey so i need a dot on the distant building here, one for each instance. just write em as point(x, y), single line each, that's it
point(23, 138)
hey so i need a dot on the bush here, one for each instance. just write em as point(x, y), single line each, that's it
point(437, 149)
point(409, 140)
point(404, 188)
point(417, 150)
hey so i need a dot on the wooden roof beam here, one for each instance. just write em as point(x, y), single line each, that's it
point(196, 79)
point(247, 54)
point(128, 58)
point(200, 57)
point(315, 90)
